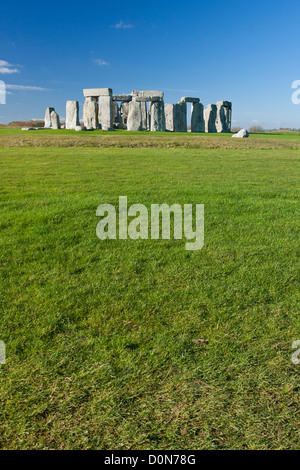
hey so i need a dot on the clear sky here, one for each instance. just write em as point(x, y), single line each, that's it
point(244, 51)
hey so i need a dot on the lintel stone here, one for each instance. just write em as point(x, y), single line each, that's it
point(121, 97)
point(95, 92)
point(188, 99)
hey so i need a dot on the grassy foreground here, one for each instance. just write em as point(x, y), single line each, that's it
point(142, 344)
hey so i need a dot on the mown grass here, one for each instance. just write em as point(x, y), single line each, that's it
point(142, 344)
point(15, 137)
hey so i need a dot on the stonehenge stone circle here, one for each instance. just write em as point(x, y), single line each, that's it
point(141, 110)
point(72, 114)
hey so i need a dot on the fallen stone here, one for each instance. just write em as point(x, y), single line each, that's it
point(72, 114)
point(242, 134)
point(80, 128)
point(188, 99)
point(95, 92)
point(28, 129)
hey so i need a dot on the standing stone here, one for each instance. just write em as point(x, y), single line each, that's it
point(169, 117)
point(180, 119)
point(197, 119)
point(48, 117)
point(134, 121)
point(221, 123)
point(144, 116)
point(72, 114)
point(55, 122)
point(158, 122)
point(210, 114)
point(90, 113)
point(124, 113)
point(106, 112)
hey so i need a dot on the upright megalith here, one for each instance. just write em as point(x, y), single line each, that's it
point(180, 119)
point(134, 120)
point(72, 114)
point(169, 117)
point(117, 120)
point(197, 119)
point(106, 112)
point(144, 115)
point(90, 113)
point(210, 115)
point(158, 122)
point(223, 119)
point(47, 118)
point(124, 109)
point(55, 122)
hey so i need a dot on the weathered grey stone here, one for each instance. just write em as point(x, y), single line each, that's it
point(28, 128)
point(134, 121)
point(180, 118)
point(242, 134)
point(197, 119)
point(95, 92)
point(223, 119)
point(210, 114)
point(158, 122)
point(90, 113)
point(151, 93)
point(144, 116)
point(148, 98)
point(55, 123)
point(188, 99)
point(47, 118)
point(169, 117)
point(117, 120)
point(106, 113)
point(124, 113)
point(80, 128)
point(121, 97)
point(72, 114)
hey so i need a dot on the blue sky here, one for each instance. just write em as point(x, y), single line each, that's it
point(245, 52)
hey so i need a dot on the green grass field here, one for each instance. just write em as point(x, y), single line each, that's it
point(141, 344)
